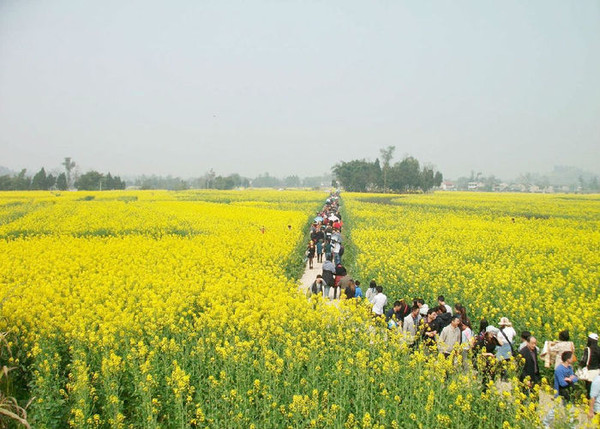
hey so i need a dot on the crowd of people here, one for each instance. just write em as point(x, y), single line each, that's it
point(447, 329)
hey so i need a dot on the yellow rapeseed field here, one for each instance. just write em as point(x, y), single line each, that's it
point(173, 309)
point(532, 258)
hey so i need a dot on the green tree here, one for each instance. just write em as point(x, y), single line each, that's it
point(292, 182)
point(427, 178)
point(61, 182)
point(358, 175)
point(405, 175)
point(21, 182)
point(6, 183)
point(89, 181)
point(50, 181)
point(266, 181)
point(39, 181)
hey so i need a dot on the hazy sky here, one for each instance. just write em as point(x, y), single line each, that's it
point(292, 87)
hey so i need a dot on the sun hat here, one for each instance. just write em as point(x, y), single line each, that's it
point(504, 322)
point(424, 310)
point(492, 329)
point(593, 336)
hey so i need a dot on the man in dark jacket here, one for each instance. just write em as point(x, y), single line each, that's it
point(531, 368)
point(329, 271)
point(443, 318)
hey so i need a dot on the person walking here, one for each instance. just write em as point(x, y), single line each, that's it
point(591, 361)
point(466, 340)
point(350, 289)
point(371, 291)
point(594, 397)
point(442, 301)
point(328, 276)
point(506, 336)
point(358, 291)
point(450, 336)
point(487, 362)
point(327, 249)
point(317, 286)
point(320, 251)
point(428, 332)
point(410, 326)
point(530, 374)
point(562, 345)
point(310, 253)
point(564, 377)
point(394, 315)
point(379, 302)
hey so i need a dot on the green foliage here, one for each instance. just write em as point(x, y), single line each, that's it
point(61, 182)
point(358, 175)
point(404, 176)
point(95, 181)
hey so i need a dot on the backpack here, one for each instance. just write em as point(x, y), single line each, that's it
point(512, 349)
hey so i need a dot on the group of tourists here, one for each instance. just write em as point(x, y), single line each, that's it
point(446, 329)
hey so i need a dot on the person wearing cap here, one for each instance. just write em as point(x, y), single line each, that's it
point(591, 360)
point(423, 310)
point(506, 336)
point(450, 336)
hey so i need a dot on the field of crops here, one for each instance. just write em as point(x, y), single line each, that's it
point(174, 310)
point(532, 258)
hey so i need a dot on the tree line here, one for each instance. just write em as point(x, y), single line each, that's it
point(407, 175)
point(96, 181)
point(41, 181)
point(211, 180)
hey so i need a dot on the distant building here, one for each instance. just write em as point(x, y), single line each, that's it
point(448, 186)
point(517, 187)
point(474, 186)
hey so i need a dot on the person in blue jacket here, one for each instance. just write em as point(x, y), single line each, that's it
point(564, 377)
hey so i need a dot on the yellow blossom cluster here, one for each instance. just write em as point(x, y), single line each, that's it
point(532, 258)
point(155, 309)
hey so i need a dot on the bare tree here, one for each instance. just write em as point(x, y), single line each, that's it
point(386, 156)
point(69, 166)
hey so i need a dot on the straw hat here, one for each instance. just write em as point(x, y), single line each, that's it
point(505, 322)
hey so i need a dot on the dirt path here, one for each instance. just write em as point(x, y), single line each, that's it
point(309, 275)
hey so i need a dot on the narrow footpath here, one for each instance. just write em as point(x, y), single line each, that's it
point(548, 411)
point(310, 275)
